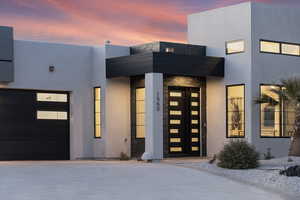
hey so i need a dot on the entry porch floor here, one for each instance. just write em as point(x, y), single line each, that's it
point(115, 180)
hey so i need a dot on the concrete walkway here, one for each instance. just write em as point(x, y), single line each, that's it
point(89, 180)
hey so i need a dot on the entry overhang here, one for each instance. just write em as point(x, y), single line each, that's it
point(166, 63)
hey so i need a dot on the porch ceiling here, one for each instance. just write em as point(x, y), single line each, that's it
point(167, 63)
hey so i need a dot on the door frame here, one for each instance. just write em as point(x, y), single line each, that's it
point(185, 153)
point(138, 144)
point(190, 82)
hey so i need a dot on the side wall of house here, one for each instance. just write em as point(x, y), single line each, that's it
point(278, 23)
point(212, 29)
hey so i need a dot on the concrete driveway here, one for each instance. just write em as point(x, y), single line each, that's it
point(89, 180)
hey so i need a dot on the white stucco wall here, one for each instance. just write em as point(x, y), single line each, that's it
point(117, 109)
point(250, 22)
point(213, 28)
point(78, 69)
point(278, 23)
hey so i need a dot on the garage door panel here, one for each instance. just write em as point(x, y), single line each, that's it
point(17, 112)
point(23, 136)
point(16, 97)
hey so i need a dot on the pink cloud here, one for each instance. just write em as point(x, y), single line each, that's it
point(94, 21)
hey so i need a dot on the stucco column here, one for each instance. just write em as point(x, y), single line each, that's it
point(154, 117)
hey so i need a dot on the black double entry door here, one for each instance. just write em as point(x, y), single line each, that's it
point(184, 121)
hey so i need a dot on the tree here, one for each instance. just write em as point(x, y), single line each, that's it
point(290, 95)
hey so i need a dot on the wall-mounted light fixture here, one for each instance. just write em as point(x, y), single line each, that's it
point(169, 50)
point(51, 68)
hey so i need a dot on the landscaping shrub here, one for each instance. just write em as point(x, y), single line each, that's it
point(291, 171)
point(238, 154)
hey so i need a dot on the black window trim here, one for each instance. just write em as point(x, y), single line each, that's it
point(94, 93)
point(280, 121)
point(226, 49)
point(232, 85)
point(280, 48)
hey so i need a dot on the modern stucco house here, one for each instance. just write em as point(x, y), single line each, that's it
point(154, 100)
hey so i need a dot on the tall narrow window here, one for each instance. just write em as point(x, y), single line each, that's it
point(140, 113)
point(237, 46)
point(270, 113)
point(235, 111)
point(276, 117)
point(97, 114)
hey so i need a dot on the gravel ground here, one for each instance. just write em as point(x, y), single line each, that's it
point(267, 175)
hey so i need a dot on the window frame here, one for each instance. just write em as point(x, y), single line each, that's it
point(232, 41)
point(281, 125)
point(280, 48)
point(94, 93)
point(227, 133)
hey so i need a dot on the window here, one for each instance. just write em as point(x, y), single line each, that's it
point(276, 118)
point(52, 115)
point(270, 114)
point(237, 46)
point(283, 48)
point(97, 114)
point(290, 49)
point(235, 111)
point(140, 113)
point(52, 97)
point(269, 47)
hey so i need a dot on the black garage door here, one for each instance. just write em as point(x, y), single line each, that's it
point(34, 125)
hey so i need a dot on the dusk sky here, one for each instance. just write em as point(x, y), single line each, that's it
point(91, 22)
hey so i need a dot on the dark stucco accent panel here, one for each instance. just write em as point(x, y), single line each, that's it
point(6, 54)
point(166, 63)
point(6, 43)
point(6, 71)
point(188, 65)
point(129, 65)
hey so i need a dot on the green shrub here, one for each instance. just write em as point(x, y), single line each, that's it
point(238, 154)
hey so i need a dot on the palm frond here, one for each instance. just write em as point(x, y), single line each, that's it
point(291, 88)
point(266, 99)
point(280, 93)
